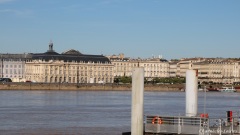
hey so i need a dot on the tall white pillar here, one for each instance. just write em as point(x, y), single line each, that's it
point(137, 101)
point(191, 92)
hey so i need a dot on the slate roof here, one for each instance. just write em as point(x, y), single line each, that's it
point(69, 57)
point(72, 52)
point(13, 56)
point(119, 59)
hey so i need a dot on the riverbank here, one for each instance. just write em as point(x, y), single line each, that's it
point(73, 86)
point(88, 86)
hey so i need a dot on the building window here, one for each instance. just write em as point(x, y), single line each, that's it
point(69, 80)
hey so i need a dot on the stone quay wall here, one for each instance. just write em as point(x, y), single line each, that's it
point(93, 87)
point(74, 86)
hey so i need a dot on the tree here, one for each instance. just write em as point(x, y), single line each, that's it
point(126, 79)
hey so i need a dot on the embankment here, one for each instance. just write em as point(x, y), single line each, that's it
point(87, 86)
point(71, 86)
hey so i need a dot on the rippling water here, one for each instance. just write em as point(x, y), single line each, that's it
point(94, 112)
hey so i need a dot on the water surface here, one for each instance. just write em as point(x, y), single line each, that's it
point(94, 112)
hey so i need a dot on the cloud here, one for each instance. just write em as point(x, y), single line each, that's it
point(5, 1)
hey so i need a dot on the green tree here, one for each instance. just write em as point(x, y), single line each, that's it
point(126, 79)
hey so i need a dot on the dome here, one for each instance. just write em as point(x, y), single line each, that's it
point(72, 52)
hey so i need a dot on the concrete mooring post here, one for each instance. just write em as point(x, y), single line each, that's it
point(191, 92)
point(137, 101)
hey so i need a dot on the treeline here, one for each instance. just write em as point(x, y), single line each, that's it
point(156, 80)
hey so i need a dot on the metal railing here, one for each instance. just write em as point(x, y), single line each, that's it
point(225, 126)
point(191, 125)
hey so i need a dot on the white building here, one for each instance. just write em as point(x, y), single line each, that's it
point(13, 66)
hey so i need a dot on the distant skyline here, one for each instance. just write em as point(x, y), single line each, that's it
point(137, 28)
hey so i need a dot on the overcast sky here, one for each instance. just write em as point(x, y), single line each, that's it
point(137, 28)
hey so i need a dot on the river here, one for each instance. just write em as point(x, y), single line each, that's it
point(94, 112)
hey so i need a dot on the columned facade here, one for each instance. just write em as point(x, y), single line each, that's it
point(57, 71)
point(153, 67)
point(69, 67)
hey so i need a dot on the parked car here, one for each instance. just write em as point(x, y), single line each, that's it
point(5, 80)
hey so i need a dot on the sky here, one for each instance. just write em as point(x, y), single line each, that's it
point(173, 29)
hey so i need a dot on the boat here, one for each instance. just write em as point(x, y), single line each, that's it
point(213, 89)
point(227, 89)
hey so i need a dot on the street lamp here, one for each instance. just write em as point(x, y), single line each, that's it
point(2, 65)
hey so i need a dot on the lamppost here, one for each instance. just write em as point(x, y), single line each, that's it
point(77, 76)
point(205, 96)
point(23, 74)
point(2, 65)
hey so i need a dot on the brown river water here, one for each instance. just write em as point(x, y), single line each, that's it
point(43, 112)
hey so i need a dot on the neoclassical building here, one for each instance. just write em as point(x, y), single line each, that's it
point(74, 67)
point(216, 70)
point(13, 66)
point(68, 67)
point(153, 67)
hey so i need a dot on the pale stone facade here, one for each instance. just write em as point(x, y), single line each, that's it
point(214, 70)
point(58, 71)
point(69, 67)
point(73, 67)
point(13, 66)
point(184, 64)
point(236, 72)
point(217, 71)
point(173, 68)
point(153, 67)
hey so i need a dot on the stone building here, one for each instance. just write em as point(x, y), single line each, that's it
point(74, 67)
point(13, 66)
point(209, 71)
point(173, 68)
point(153, 67)
point(69, 67)
point(215, 70)
point(236, 72)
